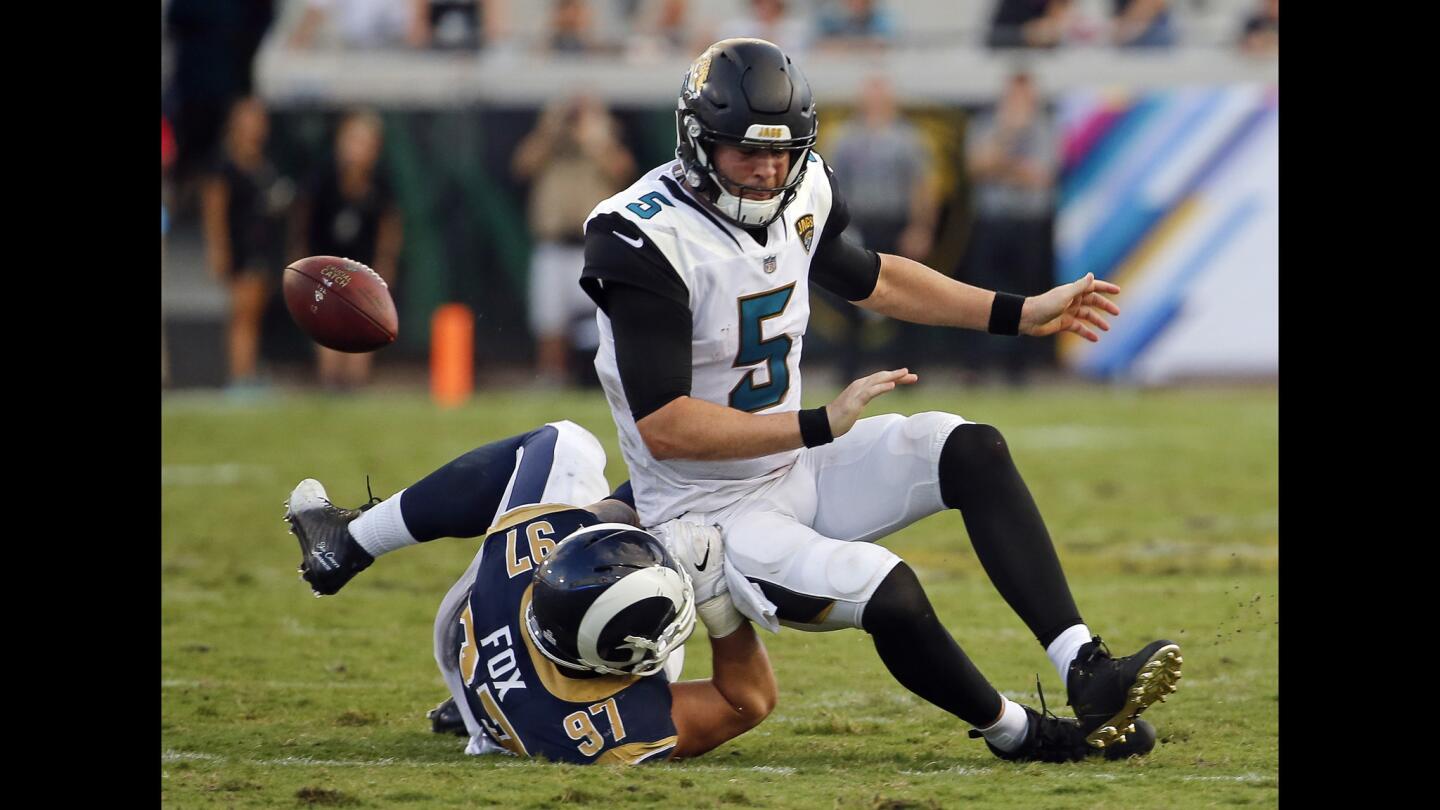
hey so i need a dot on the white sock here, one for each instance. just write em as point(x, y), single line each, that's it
point(1065, 647)
point(1009, 731)
point(382, 528)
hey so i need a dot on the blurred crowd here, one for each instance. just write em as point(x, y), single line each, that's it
point(640, 28)
point(216, 162)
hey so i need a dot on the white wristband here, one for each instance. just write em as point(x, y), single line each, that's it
point(720, 616)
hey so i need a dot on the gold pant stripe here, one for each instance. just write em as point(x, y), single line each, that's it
point(634, 753)
point(513, 743)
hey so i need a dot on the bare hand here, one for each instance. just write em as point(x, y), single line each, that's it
point(1068, 308)
point(847, 407)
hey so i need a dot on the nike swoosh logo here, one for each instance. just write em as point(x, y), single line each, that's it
point(700, 566)
point(637, 243)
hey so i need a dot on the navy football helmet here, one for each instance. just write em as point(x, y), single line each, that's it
point(744, 93)
point(610, 599)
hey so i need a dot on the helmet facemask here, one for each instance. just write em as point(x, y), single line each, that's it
point(696, 151)
point(653, 605)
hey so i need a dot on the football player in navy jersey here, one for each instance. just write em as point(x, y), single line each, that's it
point(563, 637)
point(701, 270)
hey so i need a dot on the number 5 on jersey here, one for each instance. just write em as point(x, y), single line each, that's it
point(754, 311)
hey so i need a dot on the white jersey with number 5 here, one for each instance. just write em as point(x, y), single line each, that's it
point(749, 305)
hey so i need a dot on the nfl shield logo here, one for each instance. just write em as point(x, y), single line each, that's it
point(805, 229)
point(769, 264)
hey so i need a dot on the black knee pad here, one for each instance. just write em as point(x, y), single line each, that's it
point(970, 451)
point(899, 603)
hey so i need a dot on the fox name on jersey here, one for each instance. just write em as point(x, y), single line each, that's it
point(749, 303)
point(519, 696)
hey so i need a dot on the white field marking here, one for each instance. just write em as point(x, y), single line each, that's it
point(211, 475)
point(176, 756)
point(785, 718)
point(1060, 437)
point(953, 770)
point(286, 684)
point(171, 755)
point(1243, 777)
point(191, 595)
point(834, 699)
point(1019, 697)
point(290, 625)
point(1162, 548)
point(334, 763)
point(783, 770)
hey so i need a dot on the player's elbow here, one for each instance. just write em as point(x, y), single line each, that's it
point(661, 446)
point(758, 701)
point(758, 705)
point(664, 433)
point(764, 703)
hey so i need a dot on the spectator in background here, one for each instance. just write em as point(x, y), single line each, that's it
point(572, 28)
point(167, 160)
point(854, 25)
point(354, 24)
point(1029, 23)
point(347, 209)
point(880, 163)
point(767, 20)
point(244, 201)
point(1143, 24)
point(1260, 35)
point(1011, 157)
point(457, 25)
point(215, 42)
point(659, 29)
point(574, 158)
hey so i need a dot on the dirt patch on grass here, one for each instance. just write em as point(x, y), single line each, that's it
point(324, 797)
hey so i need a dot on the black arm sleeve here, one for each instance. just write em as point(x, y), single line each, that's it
point(841, 266)
point(648, 304)
point(652, 347)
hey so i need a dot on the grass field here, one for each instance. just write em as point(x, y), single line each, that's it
point(1163, 505)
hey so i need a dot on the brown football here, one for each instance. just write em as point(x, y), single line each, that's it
point(341, 304)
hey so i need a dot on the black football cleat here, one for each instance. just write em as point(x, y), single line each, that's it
point(1059, 739)
point(1108, 693)
point(330, 557)
point(446, 719)
point(1137, 740)
point(1047, 739)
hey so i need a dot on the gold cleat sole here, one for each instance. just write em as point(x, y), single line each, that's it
point(1159, 678)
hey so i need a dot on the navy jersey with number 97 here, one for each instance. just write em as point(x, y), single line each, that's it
point(522, 700)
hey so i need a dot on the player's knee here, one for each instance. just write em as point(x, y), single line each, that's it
point(899, 603)
point(570, 432)
point(971, 450)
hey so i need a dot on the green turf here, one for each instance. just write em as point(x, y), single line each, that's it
point(1163, 506)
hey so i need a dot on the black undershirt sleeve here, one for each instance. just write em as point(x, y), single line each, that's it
point(652, 347)
point(648, 304)
point(841, 266)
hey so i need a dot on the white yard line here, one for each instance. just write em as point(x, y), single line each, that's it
point(211, 475)
point(171, 755)
point(174, 683)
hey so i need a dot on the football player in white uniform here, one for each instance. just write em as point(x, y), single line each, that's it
point(701, 270)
